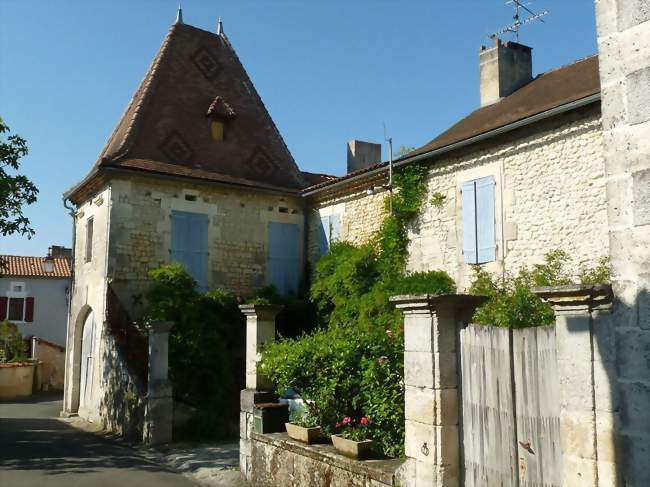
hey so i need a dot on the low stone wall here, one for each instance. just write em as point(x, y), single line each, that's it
point(280, 461)
point(16, 380)
point(52, 370)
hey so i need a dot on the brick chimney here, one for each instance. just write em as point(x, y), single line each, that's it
point(505, 68)
point(57, 251)
point(362, 154)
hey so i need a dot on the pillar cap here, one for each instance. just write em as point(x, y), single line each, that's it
point(257, 309)
point(160, 326)
point(592, 296)
point(414, 302)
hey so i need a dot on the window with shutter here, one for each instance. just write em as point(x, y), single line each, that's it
point(479, 235)
point(283, 266)
point(330, 231)
point(189, 244)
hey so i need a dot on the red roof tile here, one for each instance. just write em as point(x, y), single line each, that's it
point(21, 266)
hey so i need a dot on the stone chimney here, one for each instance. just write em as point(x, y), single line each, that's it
point(362, 154)
point(57, 251)
point(505, 68)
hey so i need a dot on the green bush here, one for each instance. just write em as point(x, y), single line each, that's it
point(12, 344)
point(205, 347)
point(341, 372)
point(512, 303)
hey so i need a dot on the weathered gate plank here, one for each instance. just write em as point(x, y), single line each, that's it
point(538, 407)
point(487, 407)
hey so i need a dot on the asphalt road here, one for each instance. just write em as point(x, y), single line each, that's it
point(38, 450)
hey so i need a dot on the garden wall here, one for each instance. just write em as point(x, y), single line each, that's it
point(550, 194)
point(280, 461)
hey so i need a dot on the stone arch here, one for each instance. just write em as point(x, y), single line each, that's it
point(75, 364)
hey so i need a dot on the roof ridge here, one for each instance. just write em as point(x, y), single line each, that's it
point(564, 66)
point(143, 94)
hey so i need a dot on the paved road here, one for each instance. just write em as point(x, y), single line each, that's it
point(37, 450)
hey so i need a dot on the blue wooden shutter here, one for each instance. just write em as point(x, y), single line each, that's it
point(469, 223)
point(190, 244)
point(324, 235)
point(283, 267)
point(335, 228)
point(485, 220)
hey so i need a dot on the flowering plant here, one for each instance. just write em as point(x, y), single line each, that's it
point(354, 430)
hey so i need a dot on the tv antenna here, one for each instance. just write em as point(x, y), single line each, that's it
point(515, 27)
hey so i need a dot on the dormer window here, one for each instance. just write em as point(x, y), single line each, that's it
point(219, 113)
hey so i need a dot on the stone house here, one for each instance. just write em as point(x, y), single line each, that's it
point(34, 294)
point(518, 177)
point(197, 172)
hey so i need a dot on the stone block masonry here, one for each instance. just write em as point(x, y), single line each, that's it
point(624, 51)
point(237, 234)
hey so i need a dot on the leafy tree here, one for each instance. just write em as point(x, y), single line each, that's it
point(16, 190)
point(402, 151)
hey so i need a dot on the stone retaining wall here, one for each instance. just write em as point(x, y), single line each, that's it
point(280, 461)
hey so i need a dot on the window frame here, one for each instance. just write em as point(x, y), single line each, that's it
point(477, 213)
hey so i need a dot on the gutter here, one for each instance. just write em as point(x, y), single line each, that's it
point(472, 140)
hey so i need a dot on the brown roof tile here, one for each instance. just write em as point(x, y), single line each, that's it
point(21, 266)
point(195, 72)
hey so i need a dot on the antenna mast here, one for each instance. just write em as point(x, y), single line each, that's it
point(515, 27)
point(390, 168)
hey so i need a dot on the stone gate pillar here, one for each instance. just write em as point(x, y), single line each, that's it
point(588, 401)
point(159, 408)
point(260, 329)
point(431, 379)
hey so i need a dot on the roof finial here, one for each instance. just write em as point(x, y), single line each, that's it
point(219, 27)
point(179, 15)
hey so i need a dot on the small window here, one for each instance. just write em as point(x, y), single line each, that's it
point(16, 309)
point(89, 239)
point(479, 235)
point(190, 197)
point(217, 129)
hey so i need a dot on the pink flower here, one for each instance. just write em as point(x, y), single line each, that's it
point(347, 420)
point(364, 421)
point(338, 425)
point(390, 333)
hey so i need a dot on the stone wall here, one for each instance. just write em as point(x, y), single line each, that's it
point(88, 295)
point(279, 461)
point(624, 49)
point(550, 194)
point(238, 236)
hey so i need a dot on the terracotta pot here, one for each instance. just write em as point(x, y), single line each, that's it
point(352, 449)
point(300, 433)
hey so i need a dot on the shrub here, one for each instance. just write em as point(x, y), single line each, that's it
point(12, 344)
point(205, 347)
point(513, 304)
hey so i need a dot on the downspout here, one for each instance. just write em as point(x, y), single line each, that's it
point(67, 402)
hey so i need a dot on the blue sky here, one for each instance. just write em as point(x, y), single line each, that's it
point(328, 71)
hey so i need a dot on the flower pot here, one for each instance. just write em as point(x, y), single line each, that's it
point(352, 449)
point(300, 433)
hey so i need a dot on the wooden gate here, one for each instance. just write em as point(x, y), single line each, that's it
point(510, 407)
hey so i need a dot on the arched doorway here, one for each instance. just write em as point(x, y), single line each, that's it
point(86, 372)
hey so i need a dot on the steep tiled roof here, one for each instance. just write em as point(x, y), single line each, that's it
point(20, 266)
point(166, 122)
point(548, 91)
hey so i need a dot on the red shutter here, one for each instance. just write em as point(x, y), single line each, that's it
point(3, 307)
point(29, 312)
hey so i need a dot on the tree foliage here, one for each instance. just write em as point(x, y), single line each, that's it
point(203, 347)
point(16, 190)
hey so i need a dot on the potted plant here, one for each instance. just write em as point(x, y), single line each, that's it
point(353, 439)
point(302, 426)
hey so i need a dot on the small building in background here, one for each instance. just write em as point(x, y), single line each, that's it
point(34, 293)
